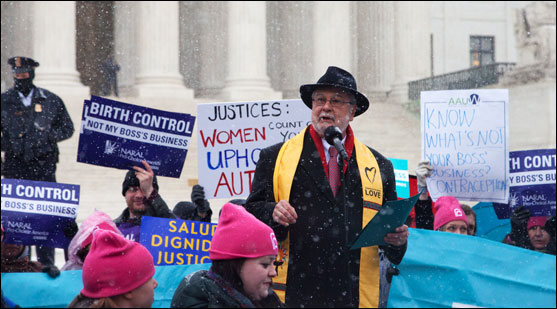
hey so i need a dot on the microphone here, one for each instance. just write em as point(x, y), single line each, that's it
point(333, 136)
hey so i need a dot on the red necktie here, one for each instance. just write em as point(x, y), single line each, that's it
point(334, 176)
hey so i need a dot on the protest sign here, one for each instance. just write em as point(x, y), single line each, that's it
point(401, 177)
point(465, 138)
point(231, 136)
point(177, 242)
point(36, 212)
point(121, 135)
point(532, 183)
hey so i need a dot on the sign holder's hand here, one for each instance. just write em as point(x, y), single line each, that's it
point(423, 171)
point(145, 177)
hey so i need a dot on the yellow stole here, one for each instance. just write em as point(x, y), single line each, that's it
point(372, 194)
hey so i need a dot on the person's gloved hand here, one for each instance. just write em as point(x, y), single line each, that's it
point(70, 229)
point(51, 270)
point(520, 215)
point(519, 219)
point(422, 172)
point(198, 198)
point(203, 207)
point(197, 194)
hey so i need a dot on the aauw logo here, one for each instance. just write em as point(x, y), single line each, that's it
point(474, 98)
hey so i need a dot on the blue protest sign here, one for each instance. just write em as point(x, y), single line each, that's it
point(120, 135)
point(36, 212)
point(177, 242)
point(532, 183)
point(401, 177)
point(444, 270)
point(41, 291)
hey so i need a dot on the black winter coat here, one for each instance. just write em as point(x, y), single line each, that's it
point(318, 273)
point(203, 289)
point(30, 134)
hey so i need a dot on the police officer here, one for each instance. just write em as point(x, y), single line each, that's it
point(34, 120)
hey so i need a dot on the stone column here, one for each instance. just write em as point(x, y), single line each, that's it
point(375, 48)
point(208, 32)
point(157, 74)
point(16, 24)
point(54, 47)
point(332, 43)
point(247, 77)
point(125, 42)
point(290, 45)
point(412, 46)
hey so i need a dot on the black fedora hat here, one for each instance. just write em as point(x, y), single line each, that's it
point(336, 77)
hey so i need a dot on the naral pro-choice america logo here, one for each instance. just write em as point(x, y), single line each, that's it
point(110, 147)
point(115, 148)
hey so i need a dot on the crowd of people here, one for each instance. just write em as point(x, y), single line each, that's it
point(316, 190)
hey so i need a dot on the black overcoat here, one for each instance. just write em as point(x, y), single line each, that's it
point(322, 272)
point(30, 134)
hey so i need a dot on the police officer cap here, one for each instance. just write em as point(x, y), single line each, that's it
point(22, 64)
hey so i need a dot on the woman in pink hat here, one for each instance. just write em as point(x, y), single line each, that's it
point(242, 251)
point(449, 216)
point(118, 273)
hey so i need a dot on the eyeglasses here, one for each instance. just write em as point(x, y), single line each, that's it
point(321, 101)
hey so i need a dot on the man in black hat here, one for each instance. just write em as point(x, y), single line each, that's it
point(34, 120)
point(140, 189)
point(318, 197)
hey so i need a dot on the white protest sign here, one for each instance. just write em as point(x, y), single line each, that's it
point(231, 136)
point(465, 136)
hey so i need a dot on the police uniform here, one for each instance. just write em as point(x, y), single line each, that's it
point(34, 120)
point(30, 133)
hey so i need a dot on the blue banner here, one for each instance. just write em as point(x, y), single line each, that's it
point(36, 212)
point(38, 290)
point(120, 135)
point(443, 270)
point(532, 183)
point(177, 242)
point(488, 225)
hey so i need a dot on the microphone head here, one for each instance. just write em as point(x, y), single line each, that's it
point(331, 133)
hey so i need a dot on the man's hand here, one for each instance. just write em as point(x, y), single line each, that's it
point(284, 214)
point(145, 177)
point(399, 237)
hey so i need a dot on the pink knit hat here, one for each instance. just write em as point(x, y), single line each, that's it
point(240, 235)
point(536, 221)
point(115, 266)
point(448, 209)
